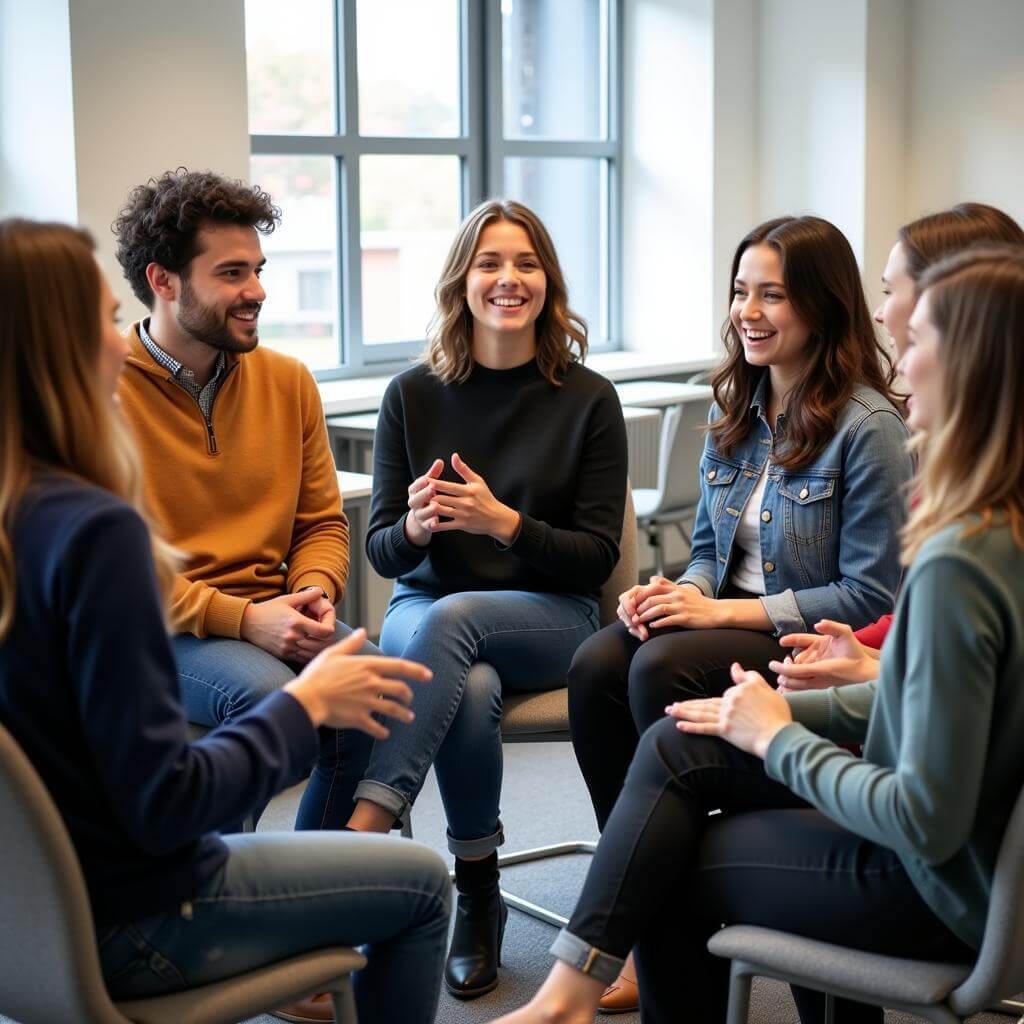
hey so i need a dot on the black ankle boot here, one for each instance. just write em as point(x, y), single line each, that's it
point(480, 915)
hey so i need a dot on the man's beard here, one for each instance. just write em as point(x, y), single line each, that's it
point(208, 325)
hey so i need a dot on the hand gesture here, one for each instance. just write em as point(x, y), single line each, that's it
point(321, 610)
point(682, 605)
point(748, 714)
point(283, 627)
point(471, 507)
point(344, 690)
point(423, 512)
point(833, 657)
point(628, 601)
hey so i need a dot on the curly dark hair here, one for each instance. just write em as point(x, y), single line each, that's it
point(161, 220)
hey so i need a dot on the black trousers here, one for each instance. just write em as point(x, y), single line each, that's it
point(667, 875)
point(619, 686)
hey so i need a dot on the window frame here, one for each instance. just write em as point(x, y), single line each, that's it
point(481, 149)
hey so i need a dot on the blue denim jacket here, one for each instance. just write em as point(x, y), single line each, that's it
point(829, 531)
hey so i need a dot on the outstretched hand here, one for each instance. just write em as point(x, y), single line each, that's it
point(748, 715)
point(832, 656)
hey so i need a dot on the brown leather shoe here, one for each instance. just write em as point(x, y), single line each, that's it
point(622, 995)
point(313, 1010)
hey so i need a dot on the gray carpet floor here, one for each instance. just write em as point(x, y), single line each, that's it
point(544, 801)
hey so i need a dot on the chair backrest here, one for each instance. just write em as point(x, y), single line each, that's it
point(49, 965)
point(624, 574)
point(999, 970)
point(679, 451)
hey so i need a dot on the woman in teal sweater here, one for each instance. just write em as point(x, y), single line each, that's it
point(892, 853)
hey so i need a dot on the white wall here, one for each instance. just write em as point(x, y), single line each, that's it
point(37, 159)
point(668, 165)
point(156, 86)
point(966, 138)
point(810, 150)
point(97, 96)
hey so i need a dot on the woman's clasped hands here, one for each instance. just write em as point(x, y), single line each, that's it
point(439, 506)
point(749, 714)
point(662, 603)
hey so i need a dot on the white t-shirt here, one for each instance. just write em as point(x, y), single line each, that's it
point(747, 573)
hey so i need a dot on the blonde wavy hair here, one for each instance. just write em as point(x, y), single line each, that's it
point(972, 463)
point(54, 414)
point(449, 351)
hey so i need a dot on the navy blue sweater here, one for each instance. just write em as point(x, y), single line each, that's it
point(88, 687)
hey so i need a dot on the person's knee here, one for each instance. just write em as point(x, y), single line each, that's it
point(229, 676)
point(599, 665)
point(481, 696)
point(654, 679)
point(665, 750)
point(342, 630)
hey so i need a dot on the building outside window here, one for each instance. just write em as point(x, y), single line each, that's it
point(377, 125)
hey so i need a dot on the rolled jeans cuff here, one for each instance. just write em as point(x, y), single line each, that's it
point(586, 958)
point(477, 847)
point(383, 796)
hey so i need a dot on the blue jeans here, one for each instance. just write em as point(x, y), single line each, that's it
point(477, 643)
point(283, 894)
point(222, 678)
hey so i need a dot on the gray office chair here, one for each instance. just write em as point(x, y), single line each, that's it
point(49, 964)
point(939, 992)
point(674, 501)
point(543, 717)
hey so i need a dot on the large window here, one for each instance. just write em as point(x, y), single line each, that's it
point(376, 125)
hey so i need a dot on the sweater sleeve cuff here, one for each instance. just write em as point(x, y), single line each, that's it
point(702, 583)
point(782, 746)
point(530, 537)
point(314, 578)
point(300, 735)
point(224, 615)
point(811, 709)
point(784, 612)
point(404, 550)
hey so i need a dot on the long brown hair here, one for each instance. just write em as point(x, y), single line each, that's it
point(823, 284)
point(449, 351)
point(972, 462)
point(53, 412)
point(928, 239)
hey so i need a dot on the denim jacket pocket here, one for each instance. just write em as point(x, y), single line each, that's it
point(718, 479)
point(807, 508)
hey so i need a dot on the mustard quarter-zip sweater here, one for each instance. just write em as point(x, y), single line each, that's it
point(251, 496)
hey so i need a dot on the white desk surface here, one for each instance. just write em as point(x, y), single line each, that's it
point(355, 487)
point(634, 413)
point(363, 394)
point(652, 393)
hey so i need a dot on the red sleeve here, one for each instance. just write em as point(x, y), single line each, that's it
point(875, 634)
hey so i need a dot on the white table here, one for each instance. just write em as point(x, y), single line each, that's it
point(658, 394)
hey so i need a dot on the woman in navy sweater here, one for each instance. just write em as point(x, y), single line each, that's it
point(88, 688)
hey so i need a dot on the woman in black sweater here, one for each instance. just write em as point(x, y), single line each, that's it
point(499, 482)
point(89, 689)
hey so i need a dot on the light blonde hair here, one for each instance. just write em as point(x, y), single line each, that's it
point(972, 463)
point(54, 415)
point(449, 351)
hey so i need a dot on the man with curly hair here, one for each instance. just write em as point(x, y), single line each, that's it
point(237, 466)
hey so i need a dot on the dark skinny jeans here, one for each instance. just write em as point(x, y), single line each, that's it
point(667, 875)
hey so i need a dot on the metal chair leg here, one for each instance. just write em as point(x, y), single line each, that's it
point(655, 540)
point(740, 976)
point(344, 1003)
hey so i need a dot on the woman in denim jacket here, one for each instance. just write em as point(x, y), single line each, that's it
point(802, 498)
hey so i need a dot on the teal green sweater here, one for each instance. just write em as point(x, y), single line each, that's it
point(943, 727)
